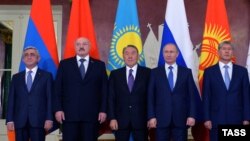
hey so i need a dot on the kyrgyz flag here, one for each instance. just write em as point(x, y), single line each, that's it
point(216, 30)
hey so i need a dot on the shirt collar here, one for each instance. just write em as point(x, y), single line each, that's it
point(221, 64)
point(86, 58)
point(173, 65)
point(133, 68)
point(34, 70)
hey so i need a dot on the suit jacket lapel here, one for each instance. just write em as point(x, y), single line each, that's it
point(23, 80)
point(76, 68)
point(163, 73)
point(234, 76)
point(220, 77)
point(179, 77)
point(124, 78)
point(89, 69)
point(138, 77)
point(36, 79)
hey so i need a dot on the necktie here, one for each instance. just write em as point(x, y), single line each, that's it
point(82, 68)
point(130, 80)
point(171, 78)
point(29, 80)
point(226, 76)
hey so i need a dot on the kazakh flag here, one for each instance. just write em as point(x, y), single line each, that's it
point(126, 32)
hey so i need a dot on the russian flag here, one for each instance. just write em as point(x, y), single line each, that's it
point(176, 31)
point(40, 34)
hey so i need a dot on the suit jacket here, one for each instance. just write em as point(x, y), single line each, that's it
point(223, 106)
point(34, 105)
point(126, 106)
point(81, 99)
point(166, 105)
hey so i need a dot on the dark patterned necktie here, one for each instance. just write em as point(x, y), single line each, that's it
point(131, 80)
point(82, 68)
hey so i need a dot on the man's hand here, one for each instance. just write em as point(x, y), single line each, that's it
point(60, 116)
point(48, 125)
point(10, 126)
point(102, 117)
point(190, 121)
point(113, 124)
point(245, 122)
point(208, 124)
point(152, 123)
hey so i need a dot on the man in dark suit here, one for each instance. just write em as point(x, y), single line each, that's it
point(225, 92)
point(128, 98)
point(81, 94)
point(171, 105)
point(29, 110)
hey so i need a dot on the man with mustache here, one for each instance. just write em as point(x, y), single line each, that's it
point(81, 94)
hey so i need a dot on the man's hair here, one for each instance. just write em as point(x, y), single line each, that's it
point(31, 47)
point(132, 46)
point(225, 43)
point(173, 45)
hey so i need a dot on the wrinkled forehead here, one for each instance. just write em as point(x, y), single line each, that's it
point(30, 50)
point(82, 40)
point(170, 47)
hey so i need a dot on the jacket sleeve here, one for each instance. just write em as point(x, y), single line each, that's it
point(104, 87)
point(151, 95)
point(11, 99)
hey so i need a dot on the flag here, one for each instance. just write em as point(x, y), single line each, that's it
point(248, 61)
point(126, 32)
point(40, 34)
point(216, 30)
point(11, 136)
point(176, 31)
point(80, 25)
point(151, 49)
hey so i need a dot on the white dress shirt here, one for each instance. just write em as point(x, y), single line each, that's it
point(33, 74)
point(174, 70)
point(230, 69)
point(85, 63)
point(134, 68)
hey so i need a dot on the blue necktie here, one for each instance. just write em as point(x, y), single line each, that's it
point(29, 80)
point(82, 68)
point(171, 78)
point(226, 77)
point(130, 80)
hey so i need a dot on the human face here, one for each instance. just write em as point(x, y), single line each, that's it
point(226, 53)
point(82, 47)
point(30, 58)
point(130, 56)
point(170, 54)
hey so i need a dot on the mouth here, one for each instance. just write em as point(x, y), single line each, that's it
point(81, 49)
